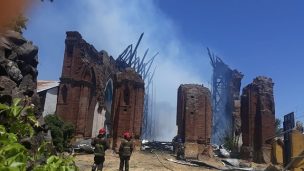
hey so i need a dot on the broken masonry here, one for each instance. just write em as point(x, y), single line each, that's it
point(226, 84)
point(258, 119)
point(97, 91)
point(194, 119)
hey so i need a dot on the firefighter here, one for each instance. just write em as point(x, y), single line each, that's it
point(180, 149)
point(125, 151)
point(175, 143)
point(101, 144)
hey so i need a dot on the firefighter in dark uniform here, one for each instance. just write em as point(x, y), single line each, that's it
point(125, 151)
point(175, 143)
point(180, 149)
point(101, 144)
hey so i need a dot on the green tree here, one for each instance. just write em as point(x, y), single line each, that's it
point(277, 125)
point(61, 132)
point(68, 132)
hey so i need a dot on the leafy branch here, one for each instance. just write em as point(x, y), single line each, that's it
point(17, 122)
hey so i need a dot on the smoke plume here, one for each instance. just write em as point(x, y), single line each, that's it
point(112, 26)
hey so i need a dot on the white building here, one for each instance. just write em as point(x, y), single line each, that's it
point(48, 91)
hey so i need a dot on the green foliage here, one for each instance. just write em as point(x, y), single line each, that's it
point(18, 119)
point(57, 137)
point(61, 132)
point(277, 125)
point(68, 132)
point(55, 163)
point(53, 120)
point(229, 142)
point(13, 156)
point(18, 123)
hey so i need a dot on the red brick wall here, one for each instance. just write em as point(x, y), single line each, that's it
point(128, 104)
point(194, 115)
point(258, 116)
point(85, 72)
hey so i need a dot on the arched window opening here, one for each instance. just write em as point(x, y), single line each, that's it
point(64, 93)
point(127, 95)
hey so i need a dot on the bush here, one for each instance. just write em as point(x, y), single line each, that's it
point(53, 120)
point(18, 122)
point(57, 137)
point(228, 142)
point(61, 132)
point(68, 132)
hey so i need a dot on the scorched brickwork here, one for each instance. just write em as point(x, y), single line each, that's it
point(128, 104)
point(94, 85)
point(258, 118)
point(194, 117)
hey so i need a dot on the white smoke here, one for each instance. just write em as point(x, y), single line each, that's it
point(112, 26)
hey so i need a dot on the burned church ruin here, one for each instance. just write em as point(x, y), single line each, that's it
point(226, 84)
point(85, 73)
point(258, 119)
point(96, 91)
point(194, 118)
point(128, 104)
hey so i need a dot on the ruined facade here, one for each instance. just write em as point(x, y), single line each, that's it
point(258, 119)
point(194, 117)
point(84, 74)
point(128, 104)
point(94, 89)
point(226, 84)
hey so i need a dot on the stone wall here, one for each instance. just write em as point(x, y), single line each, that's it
point(128, 103)
point(194, 117)
point(18, 69)
point(258, 118)
point(18, 79)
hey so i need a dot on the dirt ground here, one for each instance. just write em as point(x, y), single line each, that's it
point(140, 161)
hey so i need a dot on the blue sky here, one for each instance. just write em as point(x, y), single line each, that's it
point(256, 37)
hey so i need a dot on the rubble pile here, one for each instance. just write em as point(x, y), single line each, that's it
point(157, 145)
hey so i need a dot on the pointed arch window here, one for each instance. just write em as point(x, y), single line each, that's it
point(127, 95)
point(64, 93)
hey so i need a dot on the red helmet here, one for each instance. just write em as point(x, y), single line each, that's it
point(102, 131)
point(127, 135)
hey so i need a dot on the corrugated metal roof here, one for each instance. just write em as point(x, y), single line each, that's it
point(43, 85)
